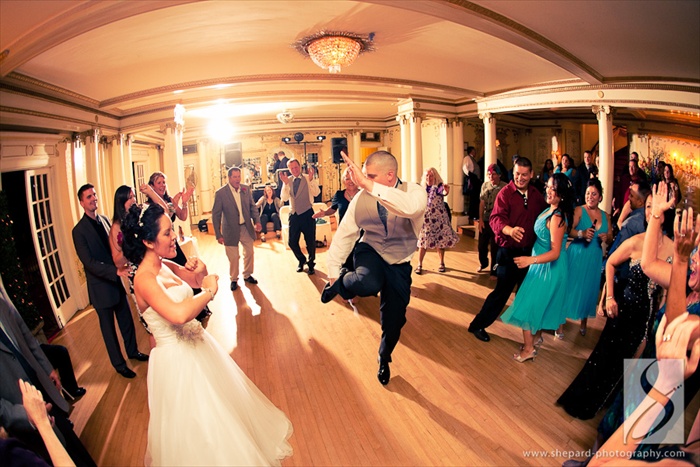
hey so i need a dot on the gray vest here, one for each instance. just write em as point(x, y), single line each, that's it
point(398, 241)
point(300, 202)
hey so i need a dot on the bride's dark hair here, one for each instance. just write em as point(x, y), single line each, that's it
point(140, 223)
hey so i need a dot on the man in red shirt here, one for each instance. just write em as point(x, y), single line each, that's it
point(512, 220)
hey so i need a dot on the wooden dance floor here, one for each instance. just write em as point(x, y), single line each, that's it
point(452, 400)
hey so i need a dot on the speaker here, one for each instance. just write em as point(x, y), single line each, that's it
point(337, 145)
point(233, 155)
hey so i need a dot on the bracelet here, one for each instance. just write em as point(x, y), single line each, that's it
point(609, 297)
point(580, 234)
point(655, 216)
point(210, 292)
point(534, 258)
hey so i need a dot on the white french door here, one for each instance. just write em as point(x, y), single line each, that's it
point(41, 220)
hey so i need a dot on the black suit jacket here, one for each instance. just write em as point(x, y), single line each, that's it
point(103, 283)
point(12, 413)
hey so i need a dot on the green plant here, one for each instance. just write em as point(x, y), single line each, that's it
point(11, 269)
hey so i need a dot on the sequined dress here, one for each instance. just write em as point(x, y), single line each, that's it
point(203, 408)
point(436, 231)
point(621, 338)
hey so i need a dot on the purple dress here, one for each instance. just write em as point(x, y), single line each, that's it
point(436, 231)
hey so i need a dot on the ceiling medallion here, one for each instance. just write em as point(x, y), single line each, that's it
point(285, 117)
point(332, 50)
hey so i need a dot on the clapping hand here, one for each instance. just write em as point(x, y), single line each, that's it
point(187, 193)
point(685, 235)
point(33, 402)
point(284, 176)
point(310, 170)
point(195, 265)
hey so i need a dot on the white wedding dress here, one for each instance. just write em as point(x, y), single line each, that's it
point(203, 409)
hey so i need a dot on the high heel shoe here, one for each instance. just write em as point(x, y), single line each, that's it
point(536, 345)
point(559, 336)
point(582, 331)
point(520, 359)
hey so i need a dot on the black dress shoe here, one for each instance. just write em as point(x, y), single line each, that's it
point(311, 271)
point(74, 394)
point(384, 373)
point(234, 285)
point(141, 357)
point(126, 373)
point(330, 291)
point(300, 268)
point(481, 334)
point(251, 280)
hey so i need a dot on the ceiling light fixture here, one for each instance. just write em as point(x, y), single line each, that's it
point(333, 50)
point(285, 117)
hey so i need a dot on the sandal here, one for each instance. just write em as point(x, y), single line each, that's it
point(441, 268)
point(418, 270)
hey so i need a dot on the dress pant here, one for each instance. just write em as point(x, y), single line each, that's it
point(233, 254)
point(303, 224)
point(274, 218)
point(487, 241)
point(373, 275)
point(60, 359)
point(509, 276)
point(109, 331)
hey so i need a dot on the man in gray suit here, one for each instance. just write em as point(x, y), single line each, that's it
point(22, 358)
point(233, 216)
point(107, 295)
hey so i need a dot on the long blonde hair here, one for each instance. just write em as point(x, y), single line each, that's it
point(436, 177)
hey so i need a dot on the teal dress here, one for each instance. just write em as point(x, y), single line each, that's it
point(540, 299)
point(585, 262)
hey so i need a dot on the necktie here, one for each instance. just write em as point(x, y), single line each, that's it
point(383, 213)
point(5, 339)
point(297, 181)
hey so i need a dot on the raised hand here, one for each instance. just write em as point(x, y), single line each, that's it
point(659, 202)
point(686, 234)
point(356, 174)
point(284, 177)
point(310, 170)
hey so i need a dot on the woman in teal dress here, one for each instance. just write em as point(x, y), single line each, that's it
point(585, 255)
point(566, 167)
point(540, 299)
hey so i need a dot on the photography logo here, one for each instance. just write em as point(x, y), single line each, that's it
point(653, 406)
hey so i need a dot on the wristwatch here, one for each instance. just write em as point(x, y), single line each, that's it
point(580, 234)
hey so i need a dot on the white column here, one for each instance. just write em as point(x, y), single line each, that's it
point(128, 161)
point(94, 172)
point(80, 176)
point(204, 180)
point(416, 147)
point(117, 155)
point(605, 150)
point(457, 198)
point(174, 166)
point(405, 147)
point(489, 138)
point(356, 145)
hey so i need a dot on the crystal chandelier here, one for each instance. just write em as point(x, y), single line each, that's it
point(333, 50)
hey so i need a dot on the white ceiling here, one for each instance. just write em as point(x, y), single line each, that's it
point(128, 59)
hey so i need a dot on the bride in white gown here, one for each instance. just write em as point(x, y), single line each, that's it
point(203, 408)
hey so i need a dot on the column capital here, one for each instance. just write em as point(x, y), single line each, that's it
point(455, 121)
point(402, 119)
point(602, 112)
point(175, 127)
point(78, 139)
point(128, 139)
point(487, 117)
point(92, 136)
point(415, 116)
point(118, 139)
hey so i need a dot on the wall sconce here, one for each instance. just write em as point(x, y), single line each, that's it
point(321, 138)
point(286, 139)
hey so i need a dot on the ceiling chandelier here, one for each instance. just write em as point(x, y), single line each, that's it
point(333, 50)
point(285, 116)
